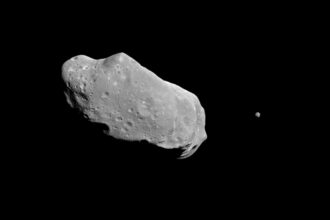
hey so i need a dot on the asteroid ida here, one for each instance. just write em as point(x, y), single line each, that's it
point(134, 103)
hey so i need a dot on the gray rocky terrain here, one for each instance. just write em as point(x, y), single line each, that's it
point(134, 103)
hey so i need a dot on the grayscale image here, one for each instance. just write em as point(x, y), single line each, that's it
point(134, 103)
point(159, 109)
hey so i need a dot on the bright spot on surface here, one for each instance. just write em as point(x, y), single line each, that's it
point(257, 114)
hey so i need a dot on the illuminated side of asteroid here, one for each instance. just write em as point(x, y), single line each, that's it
point(134, 103)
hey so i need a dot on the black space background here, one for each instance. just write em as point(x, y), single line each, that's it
point(237, 62)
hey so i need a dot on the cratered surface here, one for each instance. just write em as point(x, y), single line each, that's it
point(134, 103)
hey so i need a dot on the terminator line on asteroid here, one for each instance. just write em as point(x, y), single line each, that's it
point(134, 103)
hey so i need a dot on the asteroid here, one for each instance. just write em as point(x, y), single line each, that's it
point(134, 103)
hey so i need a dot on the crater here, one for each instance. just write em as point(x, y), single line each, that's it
point(129, 124)
point(130, 110)
point(120, 72)
point(119, 119)
point(105, 95)
point(124, 129)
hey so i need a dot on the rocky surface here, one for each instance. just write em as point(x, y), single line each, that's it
point(134, 103)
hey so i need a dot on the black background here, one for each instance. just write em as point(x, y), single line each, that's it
point(237, 61)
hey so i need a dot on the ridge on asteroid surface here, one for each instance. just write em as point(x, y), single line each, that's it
point(134, 103)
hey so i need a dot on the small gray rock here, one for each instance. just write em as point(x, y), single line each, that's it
point(134, 103)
